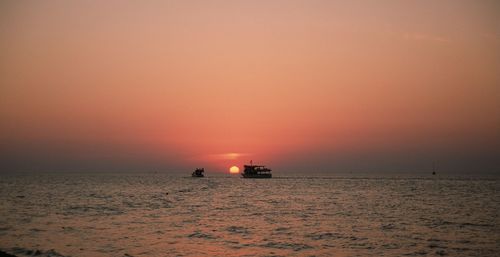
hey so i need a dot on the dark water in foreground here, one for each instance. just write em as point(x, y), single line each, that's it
point(168, 215)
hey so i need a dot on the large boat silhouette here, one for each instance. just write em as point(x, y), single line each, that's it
point(256, 171)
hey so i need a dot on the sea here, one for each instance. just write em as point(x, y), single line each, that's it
point(164, 214)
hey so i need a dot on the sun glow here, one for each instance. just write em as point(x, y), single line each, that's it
point(234, 170)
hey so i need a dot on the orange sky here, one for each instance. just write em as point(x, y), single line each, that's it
point(304, 85)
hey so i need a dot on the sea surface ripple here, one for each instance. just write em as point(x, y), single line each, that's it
point(155, 214)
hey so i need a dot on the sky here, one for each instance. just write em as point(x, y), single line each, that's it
point(306, 86)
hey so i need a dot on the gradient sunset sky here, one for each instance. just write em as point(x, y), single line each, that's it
point(311, 86)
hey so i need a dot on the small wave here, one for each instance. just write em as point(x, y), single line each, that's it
point(441, 252)
point(387, 226)
point(68, 228)
point(22, 252)
point(4, 254)
point(417, 253)
point(99, 196)
point(37, 230)
point(475, 224)
point(353, 238)
point(435, 245)
point(391, 246)
point(358, 245)
point(292, 246)
point(322, 236)
point(439, 222)
point(93, 210)
point(281, 229)
point(461, 249)
point(233, 244)
point(198, 234)
point(5, 228)
point(237, 230)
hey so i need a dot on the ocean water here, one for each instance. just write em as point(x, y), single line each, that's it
point(154, 214)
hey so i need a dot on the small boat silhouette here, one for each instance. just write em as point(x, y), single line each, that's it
point(198, 173)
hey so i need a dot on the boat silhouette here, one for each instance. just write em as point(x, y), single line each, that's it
point(256, 171)
point(198, 173)
point(434, 167)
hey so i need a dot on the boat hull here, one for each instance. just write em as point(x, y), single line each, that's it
point(257, 175)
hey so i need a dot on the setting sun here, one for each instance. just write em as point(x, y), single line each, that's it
point(234, 170)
